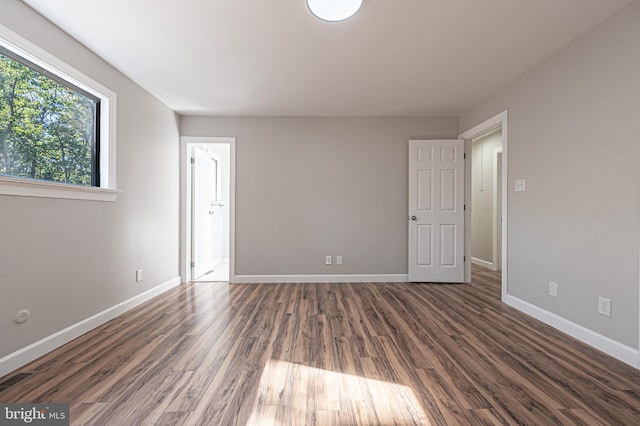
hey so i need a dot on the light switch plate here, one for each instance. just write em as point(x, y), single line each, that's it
point(521, 185)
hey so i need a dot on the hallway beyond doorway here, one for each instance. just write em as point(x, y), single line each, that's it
point(219, 273)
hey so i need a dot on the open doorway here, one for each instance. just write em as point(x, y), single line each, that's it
point(207, 209)
point(491, 189)
point(486, 200)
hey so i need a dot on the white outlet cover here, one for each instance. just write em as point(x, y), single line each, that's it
point(604, 306)
point(553, 289)
point(338, 260)
point(521, 185)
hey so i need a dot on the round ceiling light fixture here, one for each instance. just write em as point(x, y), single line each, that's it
point(334, 10)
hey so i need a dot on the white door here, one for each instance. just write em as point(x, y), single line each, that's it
point(436, 211)
point(205, 225)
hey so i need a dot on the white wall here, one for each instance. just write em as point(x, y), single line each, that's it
point(310, 187)
point(574, 126)
point(66, 260)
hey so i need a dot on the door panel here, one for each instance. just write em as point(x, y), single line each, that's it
point(436, 211)
point(206, 224)
point(425, 244)
point(425, 179)
point(448, 190)
point(447, 245)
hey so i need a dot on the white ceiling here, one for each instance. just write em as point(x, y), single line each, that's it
point(395, 57)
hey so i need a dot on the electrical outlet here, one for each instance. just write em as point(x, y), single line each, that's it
point(553, 289)
point(338, 260)
point(139, 275)
point(521, 185)
point(604, 306)
point(327, 260)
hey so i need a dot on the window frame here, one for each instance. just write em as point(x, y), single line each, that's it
point(107, 191)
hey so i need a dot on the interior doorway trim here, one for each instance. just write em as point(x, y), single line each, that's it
point(185, 234)
point(498, 121)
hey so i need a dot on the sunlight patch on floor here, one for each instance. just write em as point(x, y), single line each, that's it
point(290, 393)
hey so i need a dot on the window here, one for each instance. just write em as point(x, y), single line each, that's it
point(49, 130)
point(57, 135)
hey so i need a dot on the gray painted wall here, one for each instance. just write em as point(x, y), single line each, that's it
point(482, 222)
point(311, 187)
point(66, 260)
point(574, 122)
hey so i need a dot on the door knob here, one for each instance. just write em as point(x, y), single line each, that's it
point(413, 218)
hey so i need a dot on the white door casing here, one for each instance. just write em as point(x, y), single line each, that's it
point(186, 145)
point(501, 121)
point(436, 211)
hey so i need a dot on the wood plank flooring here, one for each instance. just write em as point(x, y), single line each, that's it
point(331, 354)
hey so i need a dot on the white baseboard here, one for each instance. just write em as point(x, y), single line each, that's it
point(348, 278)
point(484, 263)
point(23, 356)
point(609, 346)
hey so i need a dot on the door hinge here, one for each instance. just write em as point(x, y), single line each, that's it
point(464, 207)
point(464, 258)
point(193, 160)
point(193, 264)
point(464, 155)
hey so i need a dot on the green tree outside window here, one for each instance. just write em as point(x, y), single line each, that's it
point(47, 129)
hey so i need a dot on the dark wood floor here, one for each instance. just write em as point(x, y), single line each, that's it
point(350, 354)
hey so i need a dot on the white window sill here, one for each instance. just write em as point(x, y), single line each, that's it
point(36, 188)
